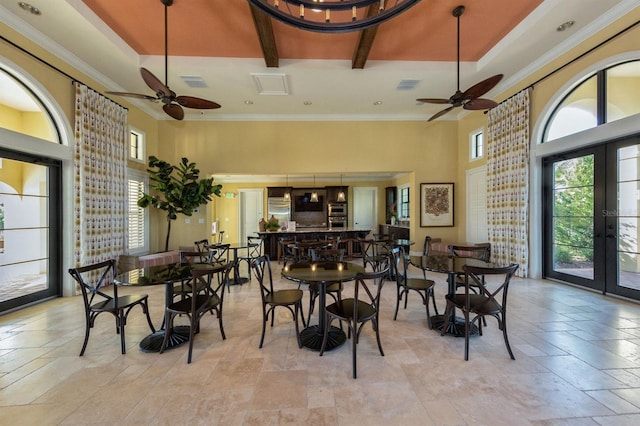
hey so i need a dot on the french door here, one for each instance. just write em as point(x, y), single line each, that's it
point(30, 239)
point(592, 219)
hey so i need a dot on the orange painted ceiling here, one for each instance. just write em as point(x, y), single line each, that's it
point(216, 28)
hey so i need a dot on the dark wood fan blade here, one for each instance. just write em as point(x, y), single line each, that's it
point(483, 87)
point(133, 95)
point(198, 103)
point(441, 113)
point(152, 81)
point(480, 104)
point(174, 110)
point(434, 100)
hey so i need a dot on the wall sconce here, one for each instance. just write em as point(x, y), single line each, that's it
point(314, 193)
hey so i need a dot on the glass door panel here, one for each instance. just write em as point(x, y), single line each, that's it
point(622, 232)
point(26, 243)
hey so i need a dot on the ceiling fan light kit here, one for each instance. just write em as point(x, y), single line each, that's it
point(172, 104)
point(333, 16)
point(470, 98)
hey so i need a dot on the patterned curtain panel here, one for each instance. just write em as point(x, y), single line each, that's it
point(101, 137)
point(508, 182)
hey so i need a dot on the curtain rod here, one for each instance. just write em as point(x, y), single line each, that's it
point(597, 46)
point(70, 77)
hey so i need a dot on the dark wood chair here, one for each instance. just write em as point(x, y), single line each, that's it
point(357, 311)
point(491, 300)
point(203, 298)
point(375, 253)
point(406, 285)
point(477, 251)
point(255, 248)
point(335, 289)
point(92, 280)
point(290, 299)
point(287, 253)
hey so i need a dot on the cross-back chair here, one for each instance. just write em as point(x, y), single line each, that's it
point(363, 307)
point(490, 300)
point(92, 280)
point(334, 289)
point(405, 284)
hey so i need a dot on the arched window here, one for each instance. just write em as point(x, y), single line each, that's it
point(21, 111)
point(607, 95)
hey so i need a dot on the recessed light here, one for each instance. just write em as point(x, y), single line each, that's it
point(565, 26)
point(248, 102)
point(307, 103)
point(29, 8)
point(376, 103)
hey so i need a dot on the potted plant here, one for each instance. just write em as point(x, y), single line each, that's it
point(178, 189)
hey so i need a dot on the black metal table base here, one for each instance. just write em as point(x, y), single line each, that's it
point(455, 327)
point(239, 281)
point(311, 338)
point(153, 342)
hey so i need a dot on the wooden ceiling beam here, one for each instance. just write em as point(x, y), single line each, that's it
point(266, 37)
point(365, 42)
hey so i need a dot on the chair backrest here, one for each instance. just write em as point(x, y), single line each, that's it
point(201, 245)
point(479, 251)
point(262, 271)
point(477, 278)
point(255, 246)
point(93, 278)
point(399, 264)
point(205, 256)
point(336, 255)
point(427, 245)
point(368, 288)
point(215, 288)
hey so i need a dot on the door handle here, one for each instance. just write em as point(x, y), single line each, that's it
point(611, 236)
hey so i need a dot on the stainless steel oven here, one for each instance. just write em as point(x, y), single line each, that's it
point(337, 222)
point(337, 209)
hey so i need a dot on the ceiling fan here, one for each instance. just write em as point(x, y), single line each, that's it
point(172, 103)
point(470, 98)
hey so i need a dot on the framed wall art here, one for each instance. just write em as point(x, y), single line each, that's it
point(436, 204)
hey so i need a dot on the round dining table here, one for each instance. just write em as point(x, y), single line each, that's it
point(167, 275)
point(322, 274)
point(450, 265)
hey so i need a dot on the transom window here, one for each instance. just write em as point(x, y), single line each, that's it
point(605, 96)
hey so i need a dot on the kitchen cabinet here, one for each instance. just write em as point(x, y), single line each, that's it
point(332, 193)
point(278, 191)
point(398, 232)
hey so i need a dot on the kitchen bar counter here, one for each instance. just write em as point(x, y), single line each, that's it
point(271, 238)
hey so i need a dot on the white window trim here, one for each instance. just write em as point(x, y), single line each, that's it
point(472, 144)
point(144, 178)
point(143, 138)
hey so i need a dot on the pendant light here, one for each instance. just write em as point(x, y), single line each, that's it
point(314, 193)
point(341, 198)
point(287, 194)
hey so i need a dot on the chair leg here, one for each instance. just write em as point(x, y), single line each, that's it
point(145, 309)
point(467, 327)
point(312, 302)
point(398, 297)
point(194, 323)
point(426, 304)
point(506, 339)
point(325, 337)
point(354, 351)
point(220, 322)
point(298, 308)
point(265, 318)
point(377, 328)
point(121, 320)
point(86, 335)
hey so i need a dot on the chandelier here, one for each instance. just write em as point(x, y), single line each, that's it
point(333, 16)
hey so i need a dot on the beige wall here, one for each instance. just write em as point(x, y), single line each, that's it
point(428, 151)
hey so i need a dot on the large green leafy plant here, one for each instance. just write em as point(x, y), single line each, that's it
point(178, 189)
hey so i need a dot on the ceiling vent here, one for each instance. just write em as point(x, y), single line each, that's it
point(271, 84)
point(407, 84)
point(194, 81)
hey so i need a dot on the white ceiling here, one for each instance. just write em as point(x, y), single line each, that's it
point(335, 91)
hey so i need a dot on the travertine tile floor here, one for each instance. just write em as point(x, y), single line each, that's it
point(577, 363)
